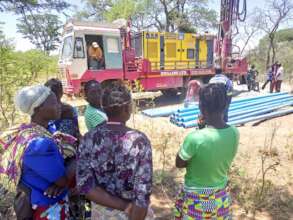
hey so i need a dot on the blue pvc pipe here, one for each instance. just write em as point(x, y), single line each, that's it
point(258, 108)
point(240, 100)
point(242, 119)
point(233, 104)
point(245, 105)
point(261, 117)
point(259, 97)
point(233, 113)
point(261, 111)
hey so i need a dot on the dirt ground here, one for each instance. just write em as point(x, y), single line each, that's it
point(273, 138)
point(266, 148)
point(246, 168)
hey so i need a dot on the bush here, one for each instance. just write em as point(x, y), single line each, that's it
point(18, 69)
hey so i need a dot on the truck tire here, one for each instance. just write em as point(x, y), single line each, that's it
point(170, 92)
point(241, 80)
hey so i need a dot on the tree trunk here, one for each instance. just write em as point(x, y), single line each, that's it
point(274, 52)
point(271, 47)
point(268, 57)
point(167, 16)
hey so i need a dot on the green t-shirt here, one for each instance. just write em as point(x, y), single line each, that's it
point(93, 117)
point(209, 153)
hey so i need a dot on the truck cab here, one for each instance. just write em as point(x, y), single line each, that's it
point(75, 60)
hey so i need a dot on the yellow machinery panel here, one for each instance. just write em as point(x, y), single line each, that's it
point(172, 49)
point(203, 52)
point(151, 48)
point(188, 51)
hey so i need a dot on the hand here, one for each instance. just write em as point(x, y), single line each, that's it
point(128, 209)
point(53, 191)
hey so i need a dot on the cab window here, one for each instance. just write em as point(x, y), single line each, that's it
point(78, 48)
point(67, 48)
point(112, 44)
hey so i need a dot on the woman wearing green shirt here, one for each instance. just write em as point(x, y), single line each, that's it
point(93, 114)
point(207, 155)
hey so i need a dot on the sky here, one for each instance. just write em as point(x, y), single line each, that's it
point(10, 31)
point(22, 44)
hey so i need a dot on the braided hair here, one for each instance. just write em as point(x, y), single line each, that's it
point(115, 96)
point(91, 83)
point(213, 98)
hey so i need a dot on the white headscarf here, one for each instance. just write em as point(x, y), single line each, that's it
point(31, 97)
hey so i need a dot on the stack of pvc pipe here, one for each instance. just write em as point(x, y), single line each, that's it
point(241, 111)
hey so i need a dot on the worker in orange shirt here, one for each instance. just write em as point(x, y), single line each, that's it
point(95, 54)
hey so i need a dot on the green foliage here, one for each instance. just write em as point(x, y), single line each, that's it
point(164, 15)
point(122, 9)
point(22, 6)
point(42, 30)
point(18, 69)
point(280, 36)
point(284, 52)
point(284, 35)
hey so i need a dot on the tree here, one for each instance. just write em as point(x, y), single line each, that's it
point(18, 69)
point(247, 31)
point(42, 30)
point(164, 15)
point(284, 52)
point(32, 13)
point(19, 6)
point(272, 17)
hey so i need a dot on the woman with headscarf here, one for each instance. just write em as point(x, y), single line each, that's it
point(116, 158)
point(34, 159)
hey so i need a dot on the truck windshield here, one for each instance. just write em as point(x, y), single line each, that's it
point(67, 49)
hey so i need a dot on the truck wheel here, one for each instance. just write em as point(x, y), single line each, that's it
point(183, 92)
point(241, 81)
point(170, 92)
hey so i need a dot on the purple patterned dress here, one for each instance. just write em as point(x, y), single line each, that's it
point(119, 160)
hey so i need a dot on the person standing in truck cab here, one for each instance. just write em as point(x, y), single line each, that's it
point(95, 54)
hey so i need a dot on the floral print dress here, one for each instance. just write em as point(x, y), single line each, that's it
point(119, 161)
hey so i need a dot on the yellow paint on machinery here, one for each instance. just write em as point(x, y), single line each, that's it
point(170, 51)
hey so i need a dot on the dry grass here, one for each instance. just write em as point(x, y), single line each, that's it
point(260, 179)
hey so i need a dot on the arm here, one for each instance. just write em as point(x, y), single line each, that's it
point(180, 163)
point(187, 151)
point(86, 178)
point(138, 213)
point(142, 179)
point(100, 196)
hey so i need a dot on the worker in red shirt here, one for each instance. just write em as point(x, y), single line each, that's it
point(193, 87)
